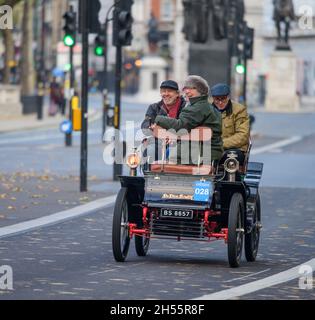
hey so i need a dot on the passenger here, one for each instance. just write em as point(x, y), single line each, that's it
point(198, 112)
point(235, 122)
point(171, 105)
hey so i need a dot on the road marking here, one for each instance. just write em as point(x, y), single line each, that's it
point(254, 286)
point(249, 275)
point(55, 136)
point(56, 217)
point(277, 145)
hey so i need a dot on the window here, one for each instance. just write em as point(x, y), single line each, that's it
point(167, 10)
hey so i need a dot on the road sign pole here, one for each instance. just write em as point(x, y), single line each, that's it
point(117, 170)
point(84, 93)
point(68, 136)
point(105, 92)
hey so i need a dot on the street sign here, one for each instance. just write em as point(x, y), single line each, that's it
point(66, 126)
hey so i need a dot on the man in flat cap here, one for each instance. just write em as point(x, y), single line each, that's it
point(235, 121)
point(171, 105)
point(198, 112)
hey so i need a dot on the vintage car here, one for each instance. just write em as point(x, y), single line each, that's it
point(189, 202)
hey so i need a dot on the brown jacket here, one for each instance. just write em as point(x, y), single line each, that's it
point(235, 127)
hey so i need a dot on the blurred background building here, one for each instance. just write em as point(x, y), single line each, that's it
point(49, 52)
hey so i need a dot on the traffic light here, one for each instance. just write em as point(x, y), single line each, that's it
point(69, 29)
point(100, 45)
point(240, 68)
point(93, 8)
point(122, 29)
point(249, 43)
point(240, 38)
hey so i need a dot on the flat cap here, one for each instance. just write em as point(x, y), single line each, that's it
point(220, 89)
point(170, 84)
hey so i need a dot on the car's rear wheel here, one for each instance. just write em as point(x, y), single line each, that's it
point(142, 245)
point(120, 230)
point(252, 238)
point(235, 230)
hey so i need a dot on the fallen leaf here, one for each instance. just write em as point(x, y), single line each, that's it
point(17, 189)
point(37, 196)
point(84, 199)
point(11, 208)
point(3, 196)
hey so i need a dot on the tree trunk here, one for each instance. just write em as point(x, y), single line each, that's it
point(8, 54)
point(27, 68)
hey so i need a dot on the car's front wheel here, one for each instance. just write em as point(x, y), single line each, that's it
point(120, 230)
point(235, 230)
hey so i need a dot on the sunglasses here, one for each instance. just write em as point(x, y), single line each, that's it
point(220, 98)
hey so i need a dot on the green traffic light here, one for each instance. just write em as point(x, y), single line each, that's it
point(240, 68)
point(68, 40)
point(99, 51)
point(67, 67)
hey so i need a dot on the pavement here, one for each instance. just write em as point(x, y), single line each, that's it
point(21, 122)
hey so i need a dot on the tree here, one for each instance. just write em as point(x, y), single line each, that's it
point(8, 43)
point(27, 67)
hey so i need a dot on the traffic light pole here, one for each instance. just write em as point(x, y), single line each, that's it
point(84, 95)
point(245, 82)
point(68, 136)
point(117, 166)
point(105, 93)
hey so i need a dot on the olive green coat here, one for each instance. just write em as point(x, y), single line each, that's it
point(199, 112)
point(235, 128)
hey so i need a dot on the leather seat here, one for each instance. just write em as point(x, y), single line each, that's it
point(182, 169)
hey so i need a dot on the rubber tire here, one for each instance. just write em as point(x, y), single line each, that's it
point(120, 246)
point(235, 244)
point(252, 239)
point(142, 245)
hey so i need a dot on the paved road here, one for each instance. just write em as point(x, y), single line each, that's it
point(73, 259)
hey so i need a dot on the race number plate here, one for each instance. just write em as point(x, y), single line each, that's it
point(202, 191)
point(176, 213)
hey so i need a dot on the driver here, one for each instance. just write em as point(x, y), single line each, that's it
point(235, 122)
point(171, 106)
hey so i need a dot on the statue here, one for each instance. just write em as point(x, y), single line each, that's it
point(153, 34)
point(283, 12)
point(196, 20)
point(219, 19)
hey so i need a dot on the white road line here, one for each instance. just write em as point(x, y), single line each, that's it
point(56, 217)
point(254, 286)
point(276, 145)
point(55, 136)
point(247, 276)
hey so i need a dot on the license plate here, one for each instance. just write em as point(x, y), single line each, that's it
point(176, 213)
